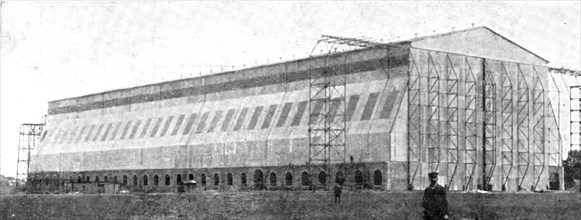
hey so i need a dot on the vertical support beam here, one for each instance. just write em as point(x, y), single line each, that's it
point(523, 135)
point(433, 105)
point(415, 118)
point(489, 126)
point(470, 125)
point(506, 127)
point(538, 128)
point(451, 132)
point(327, 124)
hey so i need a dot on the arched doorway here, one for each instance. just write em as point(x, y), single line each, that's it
point(305, 179)
point(288, 178)
point(273, 179)
point(258, 179)
point(323, 178)
point(377, 178)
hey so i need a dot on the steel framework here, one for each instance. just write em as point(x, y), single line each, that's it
point(538, 128)
point(489, 126)
point(451, 135)
point(507, 124)
point(415, 119)
point(470, 125)
point(29, 137)
point(327, 124)
point(433, 132)
point(523, 133)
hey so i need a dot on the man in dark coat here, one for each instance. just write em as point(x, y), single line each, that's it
point(337, 189)
point(434, 202)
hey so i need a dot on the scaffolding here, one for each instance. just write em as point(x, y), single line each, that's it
point(327, 91)
point(415, 119)
point(488, 126)
point(538, 128)
point(523, 134)
point(451, 133)
point(470, 125)
point(506, 127)
point(433, 106)
point(575, 116)
point(29, 137)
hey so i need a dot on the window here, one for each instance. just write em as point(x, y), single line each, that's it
point(135, 128)
point(388, 105)
point(176, 128)
point(145, 127)
point(89, 133)
point(125, 129)
point(190, 123)
point(156, 127)
point(145, 182)
point(284, 114)
point(191, 177)
point(323, 178)
point(254, 118)
point(106, 179)
point(229, 179)
point(156, 180)
point(79, 179)
point(202, 123)
point(216, 179)
point(314, 116)
point(273, 179)
point(98, 133)
point(178, 179)
point(167, 180)
point(124, 179)
point(258, 178)
point(305, 179)
point(377, 177)
point(88, 179)
point(351, 105)
point(358, 177)
point(115, 179)
point(241, 118)
point(166, 126)
point(203, 179)
point(134, 180)
point(369, 106)
point(114, 134)
point(288, 177)
point(299, 114)
point(268, 117)
point(243, 179)
point(96, 179)
point(214, 121)
point(228, 119)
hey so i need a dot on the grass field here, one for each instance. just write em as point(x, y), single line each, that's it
point(287, 205)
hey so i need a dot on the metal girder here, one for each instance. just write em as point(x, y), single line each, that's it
point(489, 125)
point(433, 107)
point(523, 132)
point(451, 132)
point(30, 136)
point(470, 125)
point(506, 127)
point(538, 127)
point(415, 118)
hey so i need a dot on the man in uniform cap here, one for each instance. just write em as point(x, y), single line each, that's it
point(434, 202)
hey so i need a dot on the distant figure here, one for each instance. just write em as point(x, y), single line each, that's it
point(337, 189)
point(434, 202)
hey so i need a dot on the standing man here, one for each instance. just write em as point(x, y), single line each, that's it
point(434, 202)
point(337, 189)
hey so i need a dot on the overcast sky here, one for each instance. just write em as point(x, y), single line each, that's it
point(55, 50)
